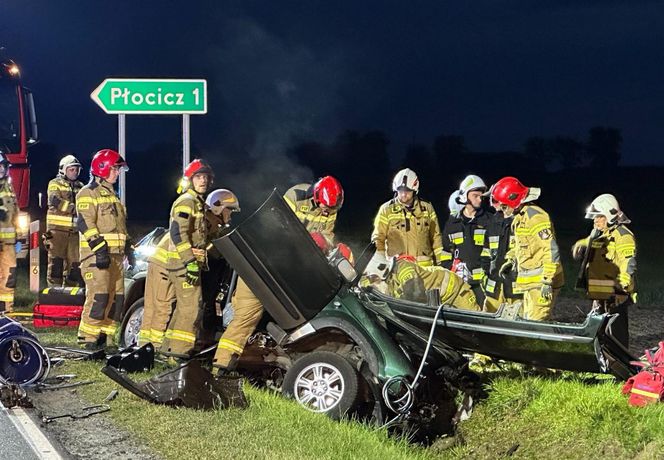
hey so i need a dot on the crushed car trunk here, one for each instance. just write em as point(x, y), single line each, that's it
point(273, 253)
point(585, 347)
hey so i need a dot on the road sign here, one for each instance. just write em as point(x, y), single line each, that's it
point(151, 96)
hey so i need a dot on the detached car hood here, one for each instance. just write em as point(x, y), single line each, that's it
point(274, 254)
point(584, 347)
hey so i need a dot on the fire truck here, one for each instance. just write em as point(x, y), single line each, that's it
point(18, 131)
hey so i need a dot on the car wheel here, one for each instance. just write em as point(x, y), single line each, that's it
point(131, 324)
point(323, 382)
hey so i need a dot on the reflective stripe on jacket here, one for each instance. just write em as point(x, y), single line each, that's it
point(300, 199)
point(187, 230)
point(611, 267)
point(463, 239)
point(415, 232)
point(100, 214)
point(61, 214)
point(535, 250)
point(9, 205)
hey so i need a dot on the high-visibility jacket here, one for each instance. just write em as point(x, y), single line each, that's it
point(187, 230)
point(535, 250)
point(61, 214)
point(498, 241)
point(9, 205)
point(410, 281)
point(463, 240)
point(300, 198)
point(100, 214)
point(611, 263)
point(414, 231)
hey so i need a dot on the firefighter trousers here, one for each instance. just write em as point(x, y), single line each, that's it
point(158, 305)
point(104, 299)
point(247, 312)
point(536, 308)
point(492, 305)
point(63, 259)
point(7, 276)
point(180, 336)
point(463, 298)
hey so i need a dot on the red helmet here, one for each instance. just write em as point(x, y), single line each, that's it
point(328, 191)
point(197, 166)
point(511, 192)
point(103, 160)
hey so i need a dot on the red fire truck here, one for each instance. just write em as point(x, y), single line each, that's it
point(18, 130)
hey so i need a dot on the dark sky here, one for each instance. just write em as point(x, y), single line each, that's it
point(494, 71)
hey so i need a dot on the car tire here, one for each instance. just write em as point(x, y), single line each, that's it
point(131, 324)
point(323, 382)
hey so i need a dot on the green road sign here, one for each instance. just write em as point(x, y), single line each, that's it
point(151, 96)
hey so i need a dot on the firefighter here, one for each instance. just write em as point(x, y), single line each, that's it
point(407, 224)
point(608, 271)
point(498, 240)
point(174, 270)
point(220, 204)
point(61, 237)
point(453, 204)
point(316, 206)
point(403, 278)
point(535, 256)
point(8, 223)
point(102, 223)
point(463, 235)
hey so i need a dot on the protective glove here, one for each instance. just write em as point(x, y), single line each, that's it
point(193, 274)
point(625, 280)
point(103, 258)
point(546, 293)
point(100, 248)
point(130, 253)
point(46, 239)
point(579, 250)
point(506, 269)
point(18, 246)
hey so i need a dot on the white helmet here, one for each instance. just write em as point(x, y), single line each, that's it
point(471, 182)
point(453, 203)
point(606, 205)
point(379, 266)
point(67, 161)
point(220, 199)
point(406, 178)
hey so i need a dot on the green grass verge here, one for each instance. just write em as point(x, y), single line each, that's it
point(565, 415)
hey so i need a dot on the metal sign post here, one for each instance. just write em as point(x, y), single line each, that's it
point(185, 141)
point(122, 151)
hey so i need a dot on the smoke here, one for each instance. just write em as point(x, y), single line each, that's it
point(269, 94)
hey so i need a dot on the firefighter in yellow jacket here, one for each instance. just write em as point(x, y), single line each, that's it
point(535, 255)
point(174, 270)
point(102, 223)
point(61, 237)
point(608, 271)
point(408, 225)
point(8, 222)
point(402, 278)
point(316, 207)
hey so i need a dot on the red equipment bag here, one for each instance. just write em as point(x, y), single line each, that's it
point(56, 315)
point(647, 386)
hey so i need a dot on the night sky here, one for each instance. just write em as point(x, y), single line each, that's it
point(495, 72)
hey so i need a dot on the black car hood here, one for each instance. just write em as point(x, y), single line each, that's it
point(274, 254)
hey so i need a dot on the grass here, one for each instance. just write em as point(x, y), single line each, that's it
point(562, 415)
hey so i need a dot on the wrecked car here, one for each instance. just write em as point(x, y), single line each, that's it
point(341, 349)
